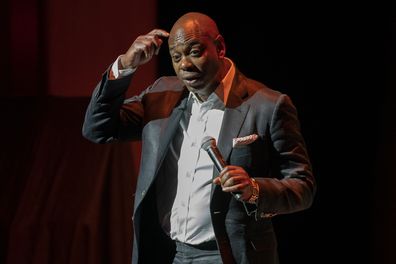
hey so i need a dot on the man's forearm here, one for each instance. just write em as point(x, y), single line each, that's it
point(102, 118)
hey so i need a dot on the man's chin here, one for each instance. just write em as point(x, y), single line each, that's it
point(194, 83)
point(197, 90)
point(193, 86)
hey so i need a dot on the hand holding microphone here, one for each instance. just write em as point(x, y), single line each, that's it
point(233, 179)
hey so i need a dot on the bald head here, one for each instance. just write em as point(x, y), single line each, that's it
point(193, 23)
point(198, 53)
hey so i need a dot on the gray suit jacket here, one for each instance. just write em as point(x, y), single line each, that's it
point(278, 160)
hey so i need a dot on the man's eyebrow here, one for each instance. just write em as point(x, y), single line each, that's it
point(194, 42)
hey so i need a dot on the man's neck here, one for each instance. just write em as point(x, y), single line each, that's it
point(224, 68)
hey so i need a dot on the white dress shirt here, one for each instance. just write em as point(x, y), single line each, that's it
point(190, 217)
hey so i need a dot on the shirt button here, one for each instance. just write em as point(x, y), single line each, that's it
point(143, 193)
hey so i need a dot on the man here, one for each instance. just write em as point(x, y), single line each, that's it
point(185, 210)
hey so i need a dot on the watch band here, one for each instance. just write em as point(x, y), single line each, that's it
point(255, 190)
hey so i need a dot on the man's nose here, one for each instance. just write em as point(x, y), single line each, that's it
point(185, 63)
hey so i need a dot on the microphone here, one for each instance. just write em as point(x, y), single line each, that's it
point(209, 145)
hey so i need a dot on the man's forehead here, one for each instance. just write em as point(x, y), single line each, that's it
point(190, 36)
point(182, 33)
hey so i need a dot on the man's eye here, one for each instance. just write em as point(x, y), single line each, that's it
point(176, 58)
point(195, 52)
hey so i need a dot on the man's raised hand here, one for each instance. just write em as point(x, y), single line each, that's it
point(143, 49)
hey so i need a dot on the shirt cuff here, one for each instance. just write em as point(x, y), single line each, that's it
point(117, 73)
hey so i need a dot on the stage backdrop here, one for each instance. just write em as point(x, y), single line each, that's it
point(64, 199)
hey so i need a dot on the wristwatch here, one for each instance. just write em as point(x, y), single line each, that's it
point(255, 190)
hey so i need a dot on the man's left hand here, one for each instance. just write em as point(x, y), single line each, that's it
point(236, 180)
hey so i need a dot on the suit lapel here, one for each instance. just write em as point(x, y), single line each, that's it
point(232, 122)
point(154, 158)
point(234, 115)
point(168, 129)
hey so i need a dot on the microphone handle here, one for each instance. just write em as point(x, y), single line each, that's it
point(217, 159)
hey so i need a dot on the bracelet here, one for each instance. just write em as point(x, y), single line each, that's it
point(256, 190)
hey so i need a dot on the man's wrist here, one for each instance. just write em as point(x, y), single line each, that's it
point(121, 65)
point(255, 192)
point(118, 71)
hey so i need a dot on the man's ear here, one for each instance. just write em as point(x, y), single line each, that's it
point(220, 46)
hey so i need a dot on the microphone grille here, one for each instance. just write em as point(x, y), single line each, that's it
point(208, 141)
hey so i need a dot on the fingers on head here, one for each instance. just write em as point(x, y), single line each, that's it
point(159, 33)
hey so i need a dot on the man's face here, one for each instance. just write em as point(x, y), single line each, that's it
point(195, 59)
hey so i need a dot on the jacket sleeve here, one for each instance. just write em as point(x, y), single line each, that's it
point(293, 187)
point(109, 117)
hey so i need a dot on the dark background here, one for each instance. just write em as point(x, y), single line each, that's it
point(66, 200)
